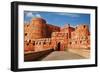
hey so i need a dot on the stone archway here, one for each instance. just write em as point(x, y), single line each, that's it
point(58, 46)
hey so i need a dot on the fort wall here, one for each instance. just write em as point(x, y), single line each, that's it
point(41, 36)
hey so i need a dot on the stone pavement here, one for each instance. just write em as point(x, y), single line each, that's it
point(62, 55)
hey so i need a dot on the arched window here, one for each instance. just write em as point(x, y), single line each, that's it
point(44, 42)
point(27, 44)
point(84, 26)
point(70, 43)
point(29, 41)
point(25, 34)
point(80, 41)
point(39, 43)
point(88, 42)
point(36, 43)
point(33, 42)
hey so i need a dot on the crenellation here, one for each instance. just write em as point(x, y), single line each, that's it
point(42, 36)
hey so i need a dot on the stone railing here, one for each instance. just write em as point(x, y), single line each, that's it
point(36, 56)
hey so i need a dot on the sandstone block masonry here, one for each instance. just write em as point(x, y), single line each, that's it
point(39, 36)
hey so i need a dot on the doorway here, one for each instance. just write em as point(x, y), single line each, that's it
point(58, 46)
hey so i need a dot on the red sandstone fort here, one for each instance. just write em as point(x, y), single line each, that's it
point(41, 36)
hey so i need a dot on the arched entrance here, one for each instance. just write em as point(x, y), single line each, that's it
point(58, 46)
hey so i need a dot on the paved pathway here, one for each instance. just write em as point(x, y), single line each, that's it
point(62, 55)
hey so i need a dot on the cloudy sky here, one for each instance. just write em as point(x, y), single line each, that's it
point(58, 18)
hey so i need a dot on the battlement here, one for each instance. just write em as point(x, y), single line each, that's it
point(42, 36)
